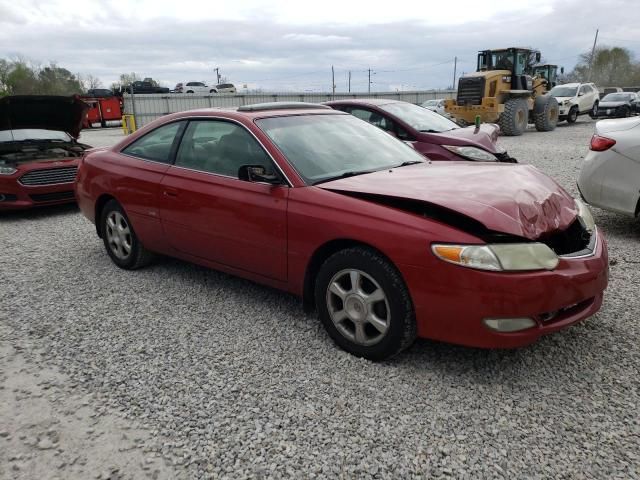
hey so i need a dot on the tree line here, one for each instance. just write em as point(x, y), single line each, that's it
point(610, 67)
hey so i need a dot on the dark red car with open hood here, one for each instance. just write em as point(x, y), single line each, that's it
point(383, 243)
point(430, 133)
point(39, 150)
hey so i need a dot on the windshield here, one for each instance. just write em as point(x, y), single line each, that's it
point(324, 147)
point(616, 97)
point(561, 91)
point(419, 118)
point(33, 134)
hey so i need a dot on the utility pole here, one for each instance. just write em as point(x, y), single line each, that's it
point(369, 80)
point(455, 66)
point(217, 75)
point(593, 54)
point(333, 81)
point(349, 82)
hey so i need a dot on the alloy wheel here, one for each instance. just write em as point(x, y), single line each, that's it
point(358, 307)
point(118, 235)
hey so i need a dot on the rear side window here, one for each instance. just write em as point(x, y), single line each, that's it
point(374, 118)
point(157, 144)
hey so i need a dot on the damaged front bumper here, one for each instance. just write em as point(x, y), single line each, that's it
point(455, 307)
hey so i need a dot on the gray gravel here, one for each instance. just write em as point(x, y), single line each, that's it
point(231, 379)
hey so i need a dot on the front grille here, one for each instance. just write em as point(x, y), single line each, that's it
point(571, 241)
point(49, 176)
point(470, 91)
point(50, 197)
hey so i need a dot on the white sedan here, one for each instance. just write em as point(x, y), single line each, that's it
point(610, 175)
point(436, 105)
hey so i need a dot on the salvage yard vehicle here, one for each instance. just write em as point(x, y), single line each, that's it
point(505, 91)
point(384, 244)
point(618, 105)
point(610, 174)
point(194, 87)
point(436, 105)
point(431, 134)
point(576, 99)
point(144, 86)
point(39, 150)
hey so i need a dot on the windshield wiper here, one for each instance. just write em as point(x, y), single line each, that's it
point(410, 162)
point(344, 175)
point(431, 130)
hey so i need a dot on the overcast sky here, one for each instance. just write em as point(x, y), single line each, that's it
point(287, 45)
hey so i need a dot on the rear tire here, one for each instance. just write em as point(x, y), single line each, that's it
point(120, 240)
point(573, 115)
point(515, 118)
point(593, 113)
point(545, 113)
point(626, 112)
point(364, 304)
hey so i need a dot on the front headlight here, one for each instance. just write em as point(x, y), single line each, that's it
point(7, 170)
point(585, 216)
point(499, 257)
point(472, 153)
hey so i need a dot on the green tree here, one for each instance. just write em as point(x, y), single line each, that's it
point(55, 80)
point(612, 66)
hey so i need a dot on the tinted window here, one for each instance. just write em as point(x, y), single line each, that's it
point(220, 147)
point(155, 145)
point(374, 118)
point(321, 147)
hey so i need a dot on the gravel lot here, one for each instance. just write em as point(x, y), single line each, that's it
point(224, 378)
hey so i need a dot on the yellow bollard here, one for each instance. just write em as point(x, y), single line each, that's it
point(128, 124)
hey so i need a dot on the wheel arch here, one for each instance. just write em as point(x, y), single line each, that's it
point(100, 203)
point(319, 256)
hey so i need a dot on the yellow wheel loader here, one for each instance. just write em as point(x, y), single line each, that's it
point(506, 90)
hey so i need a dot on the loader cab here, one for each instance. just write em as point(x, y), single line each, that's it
point(549, 73)
point(518, 61)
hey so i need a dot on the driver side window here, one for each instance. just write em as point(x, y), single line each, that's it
point(220, 147)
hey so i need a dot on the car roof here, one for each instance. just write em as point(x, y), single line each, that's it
point(363, 101)
point(259, 111)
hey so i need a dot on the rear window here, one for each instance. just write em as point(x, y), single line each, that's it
point(419, 118)
point(33, 134)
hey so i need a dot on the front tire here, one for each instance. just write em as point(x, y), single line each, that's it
point(573, 115)
point(545, 113)
point(120, 240)
point(514, 119)
point(364, 304)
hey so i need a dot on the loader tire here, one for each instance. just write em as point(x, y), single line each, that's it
point(545, 113)
point(514, 119)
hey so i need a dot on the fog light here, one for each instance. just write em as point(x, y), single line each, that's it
point(509, 324)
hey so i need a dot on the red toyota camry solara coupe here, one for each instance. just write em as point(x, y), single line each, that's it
point(384, 244)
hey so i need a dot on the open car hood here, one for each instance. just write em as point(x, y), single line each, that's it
point(46, 112)
point(513, 199)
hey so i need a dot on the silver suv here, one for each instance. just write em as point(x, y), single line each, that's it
point(576, 99)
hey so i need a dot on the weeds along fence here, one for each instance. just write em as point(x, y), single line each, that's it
point(147, 107)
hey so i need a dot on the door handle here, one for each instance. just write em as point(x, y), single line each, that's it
point(170, 192)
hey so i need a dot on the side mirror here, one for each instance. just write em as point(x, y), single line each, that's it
point(580, 94)
point(257, 173)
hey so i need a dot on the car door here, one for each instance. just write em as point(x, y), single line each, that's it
point(208, 212)
point(141, 166)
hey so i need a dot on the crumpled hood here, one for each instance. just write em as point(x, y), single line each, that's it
point(485, 137)
point(47, 112)
point(514, 199)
